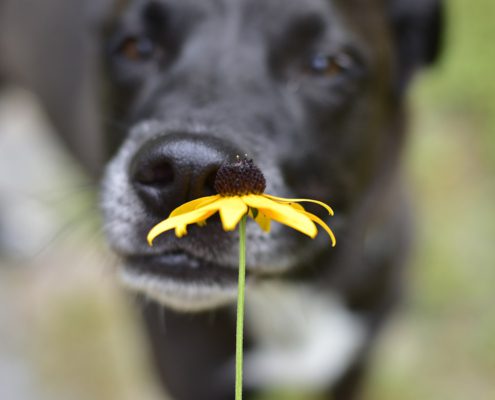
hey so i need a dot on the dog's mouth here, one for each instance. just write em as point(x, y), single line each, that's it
point(180, 280)
point(181, 267)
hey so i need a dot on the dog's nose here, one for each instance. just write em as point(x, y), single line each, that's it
point(175, 168)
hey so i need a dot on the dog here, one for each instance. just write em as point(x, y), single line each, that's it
point(314, 93)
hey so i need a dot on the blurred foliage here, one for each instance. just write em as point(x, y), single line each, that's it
point(461, 87)
point(443, 346)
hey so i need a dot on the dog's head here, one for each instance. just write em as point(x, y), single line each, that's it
point(311, 90)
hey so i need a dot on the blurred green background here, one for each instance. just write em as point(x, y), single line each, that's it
point(440, 346)
point(443, 346)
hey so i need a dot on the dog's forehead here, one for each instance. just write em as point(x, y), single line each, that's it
point(267, 18)
point(271, 7)
point(280, 9)
point(264, 12)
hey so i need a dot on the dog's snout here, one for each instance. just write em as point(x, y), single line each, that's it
point(172, 169)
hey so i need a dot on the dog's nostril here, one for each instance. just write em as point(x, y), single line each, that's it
point(158, 174)
point(172, 169)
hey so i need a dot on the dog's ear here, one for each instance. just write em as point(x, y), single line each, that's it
point(417, 27)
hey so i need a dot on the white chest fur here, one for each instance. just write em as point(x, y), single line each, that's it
point(304, 339)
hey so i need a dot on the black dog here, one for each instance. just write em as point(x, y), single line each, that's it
point(313, 92)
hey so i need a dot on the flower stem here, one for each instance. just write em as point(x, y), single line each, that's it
point(240, 309)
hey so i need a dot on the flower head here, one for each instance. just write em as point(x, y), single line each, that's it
point(240, 186)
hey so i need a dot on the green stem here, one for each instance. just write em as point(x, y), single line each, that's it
point(240, 309)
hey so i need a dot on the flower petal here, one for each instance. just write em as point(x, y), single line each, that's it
point(283, 200)
point(323, 225)
point(181, 230)
point(297, 206)
point(263, 221)
point(283, 213)
point(232, 209)
point(194, 205)
point(179, 222)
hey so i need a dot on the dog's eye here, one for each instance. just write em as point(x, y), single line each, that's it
point(324, 65)
point(137, 48)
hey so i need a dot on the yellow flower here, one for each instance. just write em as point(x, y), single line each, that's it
point(240, 186)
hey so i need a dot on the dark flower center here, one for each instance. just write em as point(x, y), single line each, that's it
point(239, 178)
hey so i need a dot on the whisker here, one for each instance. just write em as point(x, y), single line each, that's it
point(51, 198)
point(76, 223)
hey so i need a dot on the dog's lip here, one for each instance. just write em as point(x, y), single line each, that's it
point(181, 266)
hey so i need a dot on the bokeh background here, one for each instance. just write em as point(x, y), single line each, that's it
point(68, 332)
